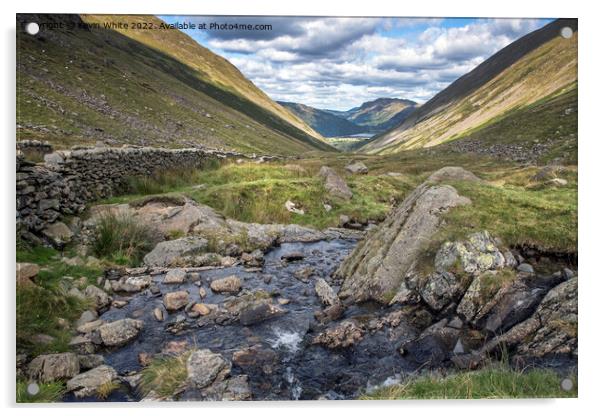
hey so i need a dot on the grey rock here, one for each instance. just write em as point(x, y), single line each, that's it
point(85, 317)
point(334, 184)
point(357, 167)
point(259, 311)
point(120, 332)
point(51, 367)
point(168, 252)
point(343, 335)
point(175, 300)
point(89, 361)
point(525, 268)
point(325, 292)
point(98, 296)
point(205, 367)
point(87, 384)
point(176, 276)
point(230, 284)
point(58, 234)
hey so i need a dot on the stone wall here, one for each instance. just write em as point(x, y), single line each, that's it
point(67, 180)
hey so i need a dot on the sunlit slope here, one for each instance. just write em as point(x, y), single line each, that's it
point(143, 87)
point(544, 64)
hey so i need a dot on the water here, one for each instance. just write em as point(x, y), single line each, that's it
point(294, 368)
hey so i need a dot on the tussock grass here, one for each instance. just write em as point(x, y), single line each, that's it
point(165, 375)
point(496, 382)
point(49, 392)
point(122, 239)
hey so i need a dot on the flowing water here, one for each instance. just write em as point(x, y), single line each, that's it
point(295, 369)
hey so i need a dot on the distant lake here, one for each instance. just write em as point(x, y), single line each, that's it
point(362, 135)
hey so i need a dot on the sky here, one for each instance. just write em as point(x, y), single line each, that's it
point(339, 63)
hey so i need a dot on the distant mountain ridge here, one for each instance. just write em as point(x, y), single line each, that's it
point(538, 65)
point(370, 117)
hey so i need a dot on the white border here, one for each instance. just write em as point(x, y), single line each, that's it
point(590, 122)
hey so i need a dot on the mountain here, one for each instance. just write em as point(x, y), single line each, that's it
point(537, 66)
point(382, 113)
point(92, 78)
point(324, 122)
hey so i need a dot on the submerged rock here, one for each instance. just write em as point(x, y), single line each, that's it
point(259, 311)
point(343, 335)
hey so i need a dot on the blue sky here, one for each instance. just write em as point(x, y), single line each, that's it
point(339, 63)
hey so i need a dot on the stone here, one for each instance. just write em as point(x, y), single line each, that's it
point(43, 339)
point(357, 168)
point(379, 266)
point(453, 173)
point(98, 296)
point(158, 314)
point(230, 284)
point(119, 304)
point(120, 332)
point(203, 309)
point(175, 276)
point(253, 259)
point(58, 234)
point(167, 252)
point(85, 317)
point(82, 344)
point(259, 311)
point(50, 367)
point(26, 273)
point(293, 256)
point(335, 185)
point(175, 300)
point(256, 358)
point(87, 384)
point(525, 268)
point(205, 367)
point(133, 284)
point(343, 335)
point(89, 361)
point(325, 292)
point(202, 292)
point(292, 207)
point(88, 327)
point(303, 274)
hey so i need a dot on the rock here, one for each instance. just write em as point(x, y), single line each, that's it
point(344, 220)
point(230, 284)
point(98, 296)
point(175, 347)
point(120, 332)
point(43, 339)
point(87, 384)
point(434, 345)
point(334, 184)
point(177, 276)
point(145, 358)
point(379, 265)
point(205, 367)
point(292, 207)
point(167, 253)
point(158, 314)
point(58, 234)
point(303, 274)
point(343, 335)
point(175, 300)
point(91, 326)
point(203, 309)
point(293, 256)
point(202, 293)
point(89, 361)
point(119, 304)
point(51, 367)
point(25, 273)
point(259, 311)
point(254, 259)
point(329, 314)
point(85, 317)
point(283, 301)
point(256, 358)
point(525, 268)
point(453, 173)
point(325, 292)
point(82, 344)
point(357, 167)
point(558, 182)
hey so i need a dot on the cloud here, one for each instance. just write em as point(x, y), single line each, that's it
point(339, 63)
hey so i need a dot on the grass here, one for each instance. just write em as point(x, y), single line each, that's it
point(49, 392)
point(164, 375)
point(496, 382)
point(122, 239)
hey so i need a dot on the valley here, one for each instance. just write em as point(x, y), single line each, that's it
point(183, 237)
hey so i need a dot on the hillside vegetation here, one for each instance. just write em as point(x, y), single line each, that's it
point(81, 84)
point(539, 65)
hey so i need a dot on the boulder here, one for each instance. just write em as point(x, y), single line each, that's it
point(85, 317)
point(259, 311)
point(176, 276)
point(58, 234)
point(120, 332)
point(131, 284)
point(205, 367)
point(25, 273)
point(87, 384)
point(325, 292)
point(51, 367)
point(357, 168)
point(89, 361)
point(175, 300)
point(167, 253)
point(230, 284)
point(334, 184)
point(378, 267)
point(99, 297)
point(453, 173)
point(343, 335)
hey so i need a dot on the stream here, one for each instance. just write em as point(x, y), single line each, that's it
point(288, 366)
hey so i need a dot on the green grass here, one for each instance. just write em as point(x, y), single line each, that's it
point(122, 239)
point(49, 392)
point(164, 375)
point(497, 382)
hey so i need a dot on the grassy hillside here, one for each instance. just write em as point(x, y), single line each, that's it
point(80, 84)
point(539, 65)
point(325, 123)
point(382, 113)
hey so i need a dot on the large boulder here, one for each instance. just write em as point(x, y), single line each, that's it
point(205, 367)
point(51, 367)
point(334, 184)
point(167, 253)
point(378, 267)
point(88, 383)
point(120, 332)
